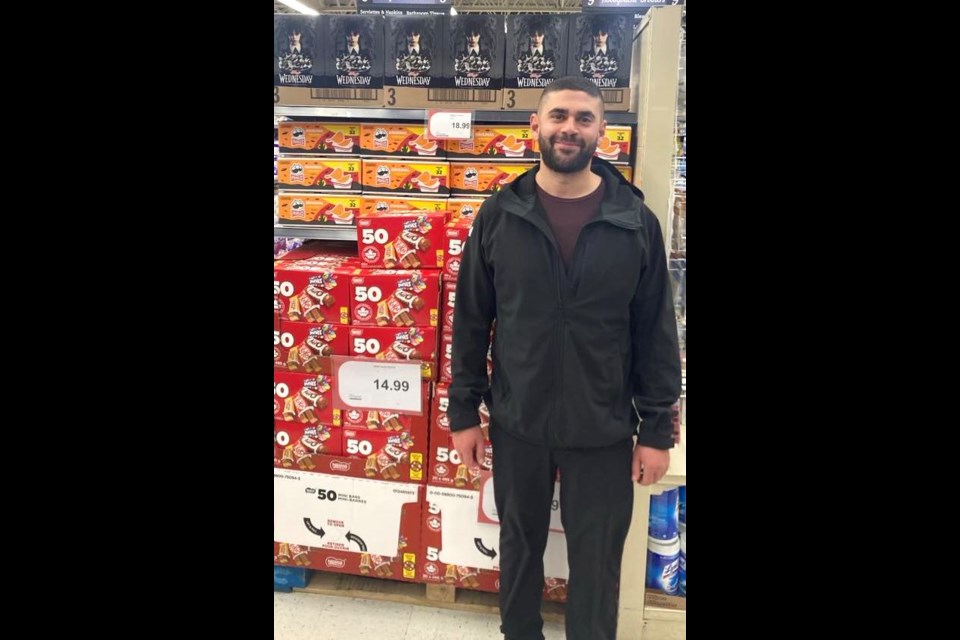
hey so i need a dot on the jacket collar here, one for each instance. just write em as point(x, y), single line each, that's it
point(621, 205)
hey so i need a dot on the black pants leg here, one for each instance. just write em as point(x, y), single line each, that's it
point(596, 504)
point(523, 489)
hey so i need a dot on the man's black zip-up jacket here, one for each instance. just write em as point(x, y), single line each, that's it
point(573, 351)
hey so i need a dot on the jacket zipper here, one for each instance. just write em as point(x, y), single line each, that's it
point(561, 277)
point(561, 326)
point(578, 249)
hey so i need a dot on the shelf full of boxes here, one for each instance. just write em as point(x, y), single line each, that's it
point(357, 165)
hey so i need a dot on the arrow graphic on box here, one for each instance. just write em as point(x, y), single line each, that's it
point(352, 537)
point(312, 529)
point(490, 553)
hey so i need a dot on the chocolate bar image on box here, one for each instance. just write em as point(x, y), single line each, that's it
point(410, 299)
point(383, 314)
point(294, 309)
point(320, 296)
point(419, 242)
point(307, 359)
point(406, 254)
point(389, 256)
point(405, 351)
point(293, 359)
point(304, 410)
point(314, 398)
point(289, 411)
point(400, 315)
point(318, 345)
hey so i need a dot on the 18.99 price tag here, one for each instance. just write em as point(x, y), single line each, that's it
point(362, 383)
point(443, 124)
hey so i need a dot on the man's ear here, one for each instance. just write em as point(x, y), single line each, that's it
point(603, 127)
point(535, 123)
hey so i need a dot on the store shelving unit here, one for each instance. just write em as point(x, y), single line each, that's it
point(348, 113)
point(339, 232)
point(346, 232)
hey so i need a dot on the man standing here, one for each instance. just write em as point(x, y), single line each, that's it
point(571, 264)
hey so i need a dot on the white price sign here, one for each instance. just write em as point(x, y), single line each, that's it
point(361, 383)
point(449, 125)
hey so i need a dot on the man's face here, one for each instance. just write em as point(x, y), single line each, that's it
point(413, 39)
point(600, 39)
point(294, 38)
point(473, 39)
point(536, 39)
point(568, 125)
point(353, 40)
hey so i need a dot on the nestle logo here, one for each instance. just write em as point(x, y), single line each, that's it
point(338, 563)
point(337, 465)
point(434, 523)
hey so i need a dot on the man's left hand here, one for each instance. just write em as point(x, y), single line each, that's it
point(649, 464)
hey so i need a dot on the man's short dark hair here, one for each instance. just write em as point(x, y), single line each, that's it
point(573, 83)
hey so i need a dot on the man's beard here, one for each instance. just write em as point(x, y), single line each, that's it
point(566, 164)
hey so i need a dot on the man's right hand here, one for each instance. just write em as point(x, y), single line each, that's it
point(469, 444)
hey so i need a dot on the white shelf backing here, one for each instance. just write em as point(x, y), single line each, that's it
point(669, 615)
point(655, 629)
point(340, 232)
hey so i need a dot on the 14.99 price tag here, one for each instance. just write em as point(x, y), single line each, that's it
point(361, 383)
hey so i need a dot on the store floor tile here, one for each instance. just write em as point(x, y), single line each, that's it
point(309, 616)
